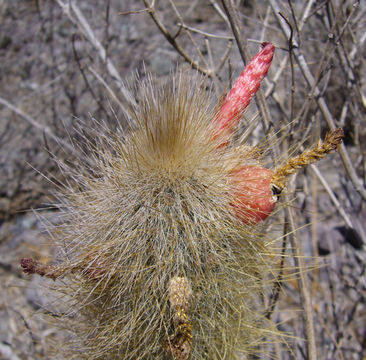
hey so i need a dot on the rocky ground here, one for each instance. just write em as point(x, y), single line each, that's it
point(53, 77)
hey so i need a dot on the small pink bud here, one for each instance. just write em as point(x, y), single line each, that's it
point(254, 200)
point(244, 89)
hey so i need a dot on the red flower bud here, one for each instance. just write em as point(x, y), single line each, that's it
point(244, 89)
point(254, 199)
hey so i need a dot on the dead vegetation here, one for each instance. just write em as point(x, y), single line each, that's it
point(66, 60)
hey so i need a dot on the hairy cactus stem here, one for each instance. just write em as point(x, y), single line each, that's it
point(162, 267)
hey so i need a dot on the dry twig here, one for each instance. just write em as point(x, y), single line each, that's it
point(321, 102)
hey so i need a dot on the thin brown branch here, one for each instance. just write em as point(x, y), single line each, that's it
point(303, 285)
point(224, 57)
point(199, 52)
point(351, 172)
point(275, 294)
point(218, 9)
point(232, 15)
point(215, 80)
point(75, 15)
point(44, 129)
point(205, 33)
point(81, 69)
point(332, 196)
point(132, 12)
point(172, 40)
point(293, 83)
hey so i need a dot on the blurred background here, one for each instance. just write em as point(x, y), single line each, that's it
point(64, 63)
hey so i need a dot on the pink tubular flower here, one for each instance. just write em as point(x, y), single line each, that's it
point(244, 89)
point(253, 198)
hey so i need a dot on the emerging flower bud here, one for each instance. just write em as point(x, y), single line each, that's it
point(252, 184)
point(254, 199)
point(244, 89)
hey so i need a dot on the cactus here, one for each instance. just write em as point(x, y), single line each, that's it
point(164, 251)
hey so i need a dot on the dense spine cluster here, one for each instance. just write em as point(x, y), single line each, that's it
point(160, 265)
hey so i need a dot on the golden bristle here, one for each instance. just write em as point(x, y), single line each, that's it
point(155, 225)
point(331, 142)
point(158, 265)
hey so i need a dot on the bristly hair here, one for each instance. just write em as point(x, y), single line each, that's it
point(164, 254)
point(160, 210)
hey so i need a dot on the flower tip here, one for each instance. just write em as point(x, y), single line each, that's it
point(268, 45)
point(267, 52)
point(237, 100)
